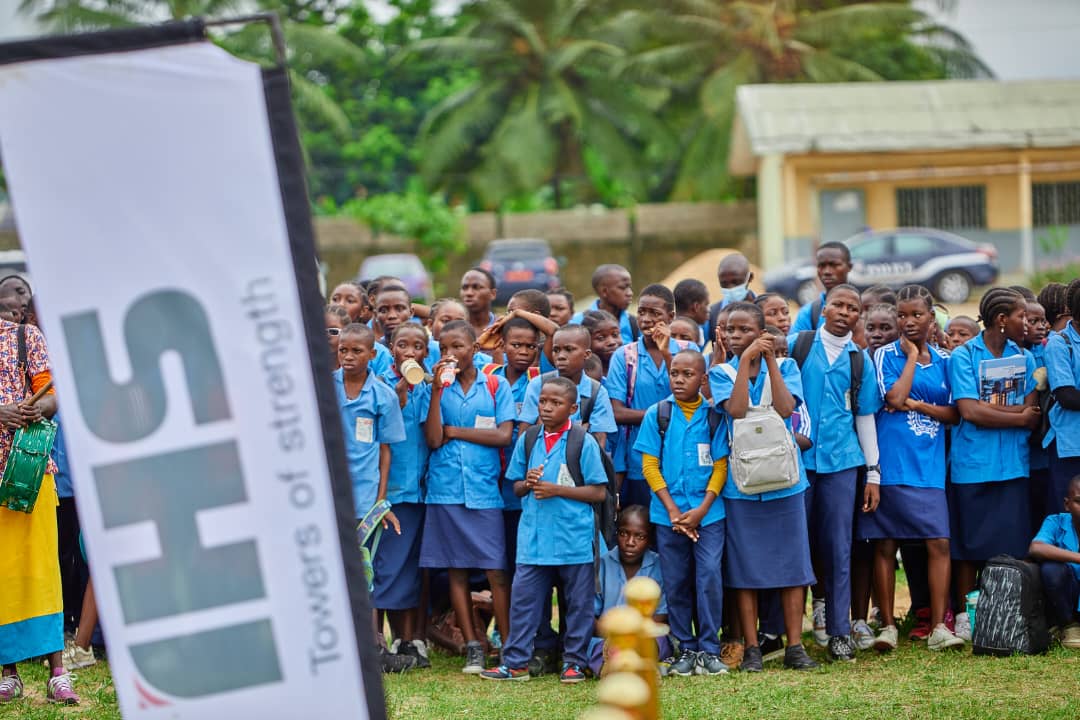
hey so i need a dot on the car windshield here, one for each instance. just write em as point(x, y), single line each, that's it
point(393, 266)
point(524, 251)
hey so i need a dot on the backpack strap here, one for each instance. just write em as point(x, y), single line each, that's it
point(635, 331)
point(490, 368)
point(815, 313)
point(766, 393)
point(23, 369)
point(714, 315)
point(803, 344)
point(575, 443)
point(663, 422)
point(531, 436)
point(585, 411)
point(857, 361)
point(492, 382)
point(532, 372)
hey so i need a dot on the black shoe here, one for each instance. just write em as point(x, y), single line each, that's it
point(841, 649)
point(772, 646)
point(541, 663)
point(795, 658)
point(409, 648)
point(751, 660)
point(395, 663)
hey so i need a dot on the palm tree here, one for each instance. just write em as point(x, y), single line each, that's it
point(542, 102)
point(710, 47)
point(307, 43)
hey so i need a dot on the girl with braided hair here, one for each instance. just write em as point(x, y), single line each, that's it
point(1052, 298)
point(1063, 374)
point(992, 382)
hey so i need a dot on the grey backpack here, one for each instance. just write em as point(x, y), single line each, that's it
point(763, 456)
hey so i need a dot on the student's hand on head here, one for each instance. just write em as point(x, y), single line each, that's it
point(390, 521)
point(491, 338)
point(871, 497)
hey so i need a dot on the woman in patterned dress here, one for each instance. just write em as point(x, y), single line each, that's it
point(31, 603)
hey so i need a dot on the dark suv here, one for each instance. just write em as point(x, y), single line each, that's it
point(520, 264)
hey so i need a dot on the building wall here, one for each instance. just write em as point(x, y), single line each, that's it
point(879, 175)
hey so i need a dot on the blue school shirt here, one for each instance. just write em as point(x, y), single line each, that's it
point(382, 361)
point(687, 462)
point(62, 476)
point(651, 385)
point(602, 419)
point(517, 390)
point(982, 454)
point(555, 531)
point(408, 459)
point(625, 328)
point(1058, 530)
point(370, 419)
point(1063, 369)
point(802, 318)
point(722, 386)
point(462, 472)
point(912, 445)
point(826, 391)
point(611, 588)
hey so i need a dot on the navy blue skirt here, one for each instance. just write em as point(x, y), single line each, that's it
point(767, 544)
point(397, 561)
point(988, 519)
point(906, 513)
point(457, 537)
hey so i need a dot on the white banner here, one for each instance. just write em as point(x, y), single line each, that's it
point(148, 201)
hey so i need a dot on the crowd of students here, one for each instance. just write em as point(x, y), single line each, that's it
point(948, 439)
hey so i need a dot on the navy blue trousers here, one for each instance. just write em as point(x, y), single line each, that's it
point(694, 585)
point(1062, 470)
point(1062, 591)
point(828, 513)
point(531, 591)
point(636, 492)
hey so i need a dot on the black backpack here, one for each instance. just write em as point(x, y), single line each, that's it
point(575, 443)
point(803, 344)
point(1010, 617)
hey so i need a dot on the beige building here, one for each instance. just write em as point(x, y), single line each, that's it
point(993, 161)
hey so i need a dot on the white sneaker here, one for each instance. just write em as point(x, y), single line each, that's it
point(963, 627)
point(862, 635)
point(821, 636)
point(943, 639)
point(76, 658)
point(1070, 636)
point(886, 639)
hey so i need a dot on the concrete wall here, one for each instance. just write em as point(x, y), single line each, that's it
point(651, 240)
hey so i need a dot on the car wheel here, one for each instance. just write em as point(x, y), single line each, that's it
point(953, 286)
point(807, 292)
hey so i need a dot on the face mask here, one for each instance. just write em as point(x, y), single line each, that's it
point(737, 293)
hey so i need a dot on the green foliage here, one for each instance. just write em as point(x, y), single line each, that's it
point(413, 215)
point(1053, 241)
point(1062, 273)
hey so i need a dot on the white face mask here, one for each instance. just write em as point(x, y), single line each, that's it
point(739, 292)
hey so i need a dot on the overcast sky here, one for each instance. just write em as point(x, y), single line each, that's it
point(1018, 39)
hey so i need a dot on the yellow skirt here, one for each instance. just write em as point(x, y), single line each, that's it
point(29, 565)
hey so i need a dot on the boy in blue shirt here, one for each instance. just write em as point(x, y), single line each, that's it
point(686, 467)
point(833, 265)
point(1057, 549)
point(637, 379)
point(556, 537)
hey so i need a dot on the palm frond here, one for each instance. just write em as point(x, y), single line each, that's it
point(566, 17)
point(824, 28)
point(452, 47)
point(523, 144)
point(467, 126)
point(77, 18)
point(320, 44)
point(717, 95)
point(575, 50)
point(703, 173)
point(505, 15)
point(658, 63)
point(559, 102)
point(824, 67)
point(311, 98)
point(621, 158)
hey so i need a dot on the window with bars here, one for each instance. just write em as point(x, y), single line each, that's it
point(948, 208)
point(1056, 203)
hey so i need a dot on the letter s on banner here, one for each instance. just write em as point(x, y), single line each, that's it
point(148, 178)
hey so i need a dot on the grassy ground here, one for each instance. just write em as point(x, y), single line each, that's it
point(910, 683)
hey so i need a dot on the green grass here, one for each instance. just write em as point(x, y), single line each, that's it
point(909, 683)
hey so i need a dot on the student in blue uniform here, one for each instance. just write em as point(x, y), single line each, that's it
point(1057, 550)
point(833, 460)
point(685, 466)
point(833, 265)
point(913, 376)
point(571, 347)
point(556, 537)
point(988, 460)
point(397, 563)
point(614, 293)
point(468, 421)
point(758, 556)
point(637, 379)
point(1062, 357)
point(630, 558)
point(604, 330)
point(478, 295)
